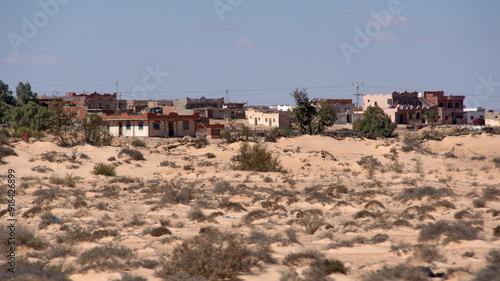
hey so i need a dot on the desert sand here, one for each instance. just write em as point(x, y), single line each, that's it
point(369, 219)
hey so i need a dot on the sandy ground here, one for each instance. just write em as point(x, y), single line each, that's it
point(461, 165)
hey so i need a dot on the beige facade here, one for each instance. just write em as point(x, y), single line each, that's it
point(492, 118)
point(268, 118)
point(152, 125)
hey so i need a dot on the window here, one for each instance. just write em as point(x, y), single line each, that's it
point(274, 120)
point(440, 104)
point(141, 126)
point(389, 101)
point(156, 126)
point(446, 118)
point(376, 104)
point(128, 126)
point(450, 105)
point(185, 125)
point(266, 119)
point(472, 117)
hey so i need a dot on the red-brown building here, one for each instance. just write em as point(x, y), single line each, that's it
point(450, 108)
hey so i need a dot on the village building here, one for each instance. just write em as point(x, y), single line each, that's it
point(412, 107)
point(153, 124)
point(344, 109)
point(492, 118)
point(268, 117)
point(187, 105)
point(83, 104)
point(209, 131)
point(475, 113)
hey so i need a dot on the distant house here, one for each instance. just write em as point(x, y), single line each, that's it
point(474, 113)
point(281, 107)
point(187, 106)
point(153, 124)
point(83, 104)
point(209, 131)
point(268, 117)
point(215, 113)
point(492, 118)
point(411, 107)
point(344, 109)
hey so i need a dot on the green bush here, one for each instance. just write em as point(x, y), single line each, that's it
point(256, 158)
point(104, 169)
point(138, 143)
point(20, 131)
point(374, 123)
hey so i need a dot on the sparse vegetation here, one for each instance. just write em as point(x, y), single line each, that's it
point(138, 143)
point(214, 255)
point(256, 158)
point(104, 169)
point(132, 153)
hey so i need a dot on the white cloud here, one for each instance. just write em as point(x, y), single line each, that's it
point(243, 43)
point(32, 59)
point(385, 36)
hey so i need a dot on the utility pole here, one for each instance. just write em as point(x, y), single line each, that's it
point(227, 95)
point(357, 94)
point(117, 98)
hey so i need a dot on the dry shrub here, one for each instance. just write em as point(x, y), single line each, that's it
point(311, 222)
point(6, 151)
point(34, 271)
point(492, 270)
point(138, 143)
point(132, 153)
point(454, 231)
point(106, 257)
point(418, 193)
point(399, 272)
point(428, 253)
point(68, 180)
point(213, 255)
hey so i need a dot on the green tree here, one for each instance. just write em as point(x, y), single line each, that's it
point(93, 133)
point(30, 115)
point(304, 111)
point(431, 115)
point(64, 129)
point(325, 117)
point(375, 122)
point(313, 116)
point(6, 94)
point(24, 93)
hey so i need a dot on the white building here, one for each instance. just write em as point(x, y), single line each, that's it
point(473, 113)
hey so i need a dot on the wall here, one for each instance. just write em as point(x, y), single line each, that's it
point(492, 118)
point(380, 100)
point(471, 114)
point(262, 118)
point(134, 130)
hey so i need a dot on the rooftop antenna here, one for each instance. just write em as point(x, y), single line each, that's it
point(357, 94)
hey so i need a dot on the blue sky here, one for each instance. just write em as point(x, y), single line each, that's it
point(258, 50)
